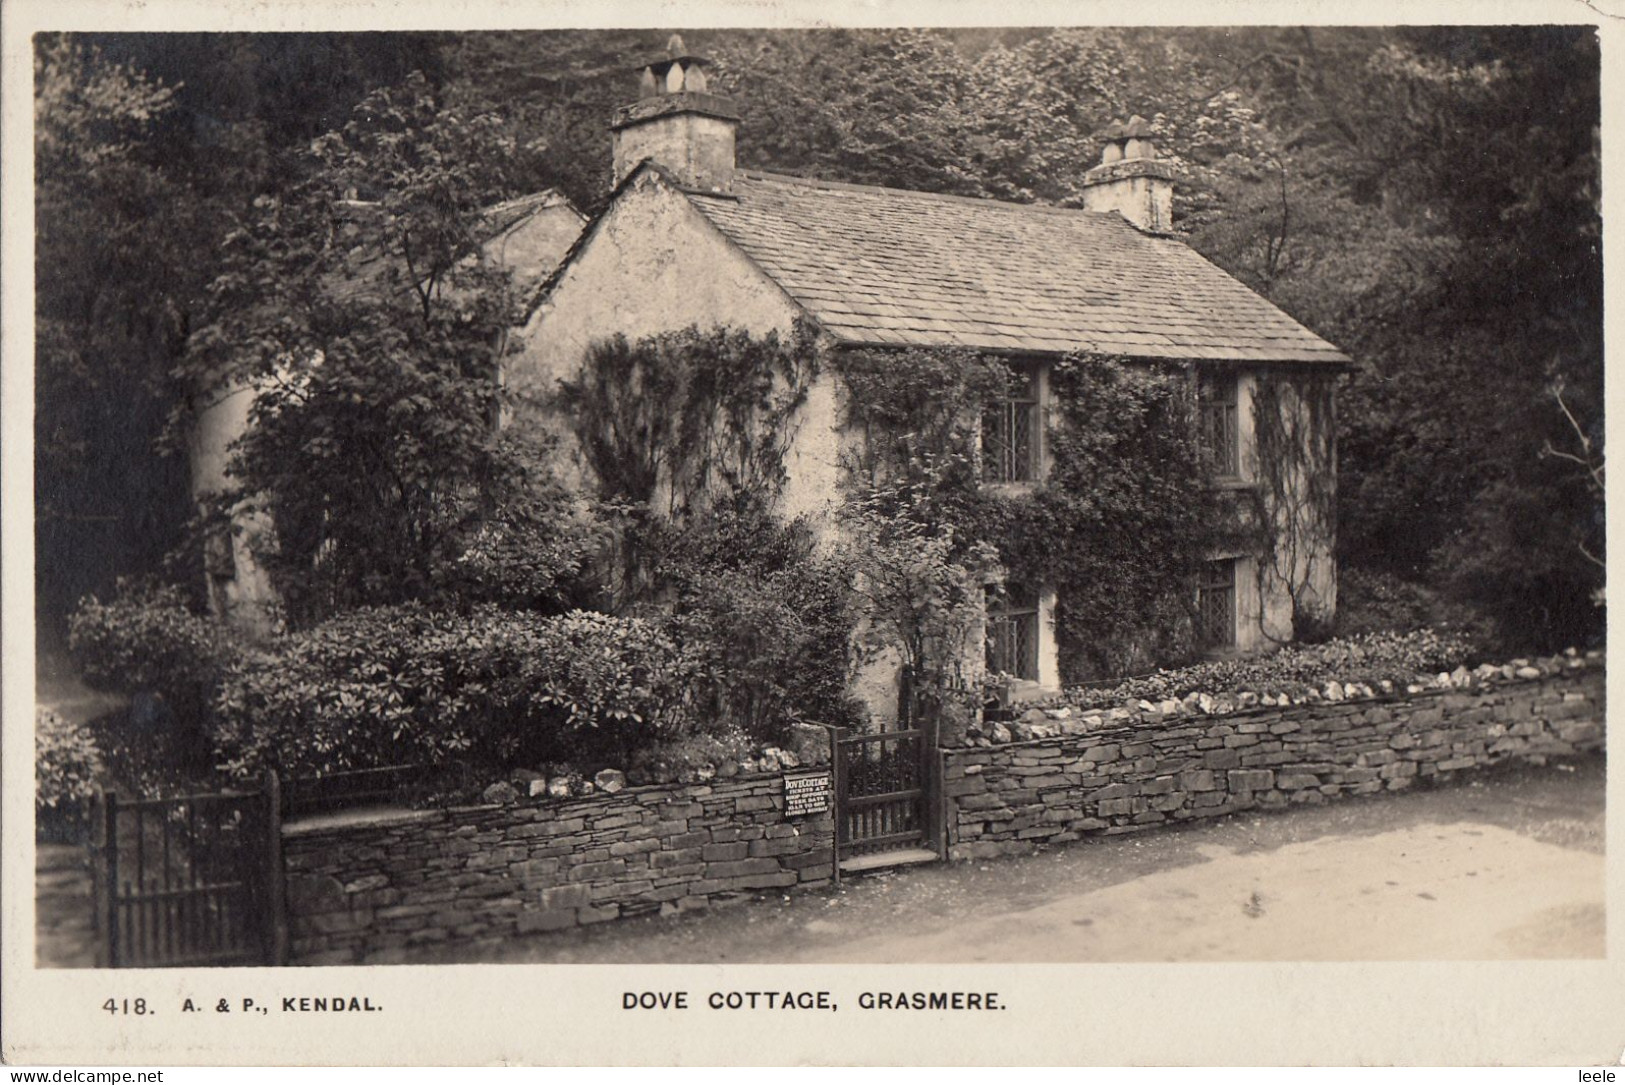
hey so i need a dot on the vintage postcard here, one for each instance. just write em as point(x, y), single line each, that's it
point(808, 534)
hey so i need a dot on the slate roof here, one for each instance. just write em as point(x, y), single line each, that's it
point(502, 216)
point(885, 266)
point(366, 264)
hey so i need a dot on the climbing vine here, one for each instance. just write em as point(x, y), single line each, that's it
point(1297, 498)
point(1120, 524)
point(687, 434)
point(915, 518)
point(672, 421)
point(915, 414)
point(1125, 518)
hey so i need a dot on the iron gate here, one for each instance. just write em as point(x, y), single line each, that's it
point(189, 880)
point(887, 785)
point(881, 793)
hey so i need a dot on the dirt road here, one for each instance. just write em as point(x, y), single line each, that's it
point(1503, 865)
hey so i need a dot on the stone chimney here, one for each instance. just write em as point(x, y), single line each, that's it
point(678, 123)
point(1131, 180)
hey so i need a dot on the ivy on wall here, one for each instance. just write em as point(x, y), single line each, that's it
point(915, 414)
point(675, 424)
point(1120, 525)
point(1125, 518)
point(1295, 433)
point(689, 417)
point(687, 434)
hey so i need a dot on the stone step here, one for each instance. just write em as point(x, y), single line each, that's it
point(883, 859)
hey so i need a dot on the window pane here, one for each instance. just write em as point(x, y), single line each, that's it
point(1012, 633)
point(1021, 442)
point(1216, 605)
point(1220, 435)
point(1010, 431)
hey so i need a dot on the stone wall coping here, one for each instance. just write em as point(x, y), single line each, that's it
point(360, 817)
point(470, 808)
point(1574, 668)
point(386, 815)
point(631, 790)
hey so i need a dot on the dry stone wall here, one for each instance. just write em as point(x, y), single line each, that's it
point(1158, 767)
point(369, 887)
point(365, 888)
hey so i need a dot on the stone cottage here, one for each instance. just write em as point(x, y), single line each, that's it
point(691, 239)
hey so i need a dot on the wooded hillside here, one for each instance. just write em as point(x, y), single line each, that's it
point(1425, 198)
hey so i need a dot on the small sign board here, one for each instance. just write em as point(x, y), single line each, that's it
point(808, 792)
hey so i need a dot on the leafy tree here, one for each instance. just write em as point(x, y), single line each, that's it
point(919, 591)
point(359, 307)
point(868, 106)
point(113, 284)
point(1463, 166)
point(146, 146)
point(561, 89)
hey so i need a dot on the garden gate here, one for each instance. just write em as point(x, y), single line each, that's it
point(190, 880)
point(888, 795)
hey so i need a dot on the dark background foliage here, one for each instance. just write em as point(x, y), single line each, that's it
point(1426, 198)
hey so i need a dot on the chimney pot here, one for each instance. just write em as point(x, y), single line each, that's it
point(678, 124)
point(1130, 179)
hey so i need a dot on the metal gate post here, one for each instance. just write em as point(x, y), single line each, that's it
point(275, 888)
point(107, 948)
point(96, 848)
point(838, 788)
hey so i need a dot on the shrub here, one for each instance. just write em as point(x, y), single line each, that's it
point(607, 685)
point(771, 617)
point(148, 640)
point(409, 685)
point(1371, 601)
point(67, 765)
point(1370, 658)
point(917, 597)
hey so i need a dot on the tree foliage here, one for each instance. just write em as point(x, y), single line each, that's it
point(359, 307)
point(113, 282)
point(146, 148)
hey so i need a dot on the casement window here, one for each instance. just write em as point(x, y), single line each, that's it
point(1220, 433)
point(1011, 435)
point(1216, 604)
point(219, 555)
point(1012, 633)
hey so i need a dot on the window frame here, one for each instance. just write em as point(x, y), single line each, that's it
point(1016, 608)
point(1218, 411)
point(1002, 460)
point(1218, 578)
